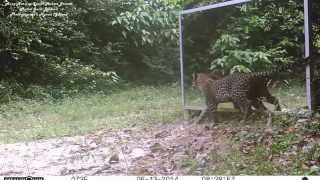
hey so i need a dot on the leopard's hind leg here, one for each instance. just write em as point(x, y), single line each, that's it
point(265, 112)
point(235, 106)
point(273, 100)
point(258, 104)
point(270, 99)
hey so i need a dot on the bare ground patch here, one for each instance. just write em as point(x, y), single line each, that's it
point(163, 149)
point(180, 148)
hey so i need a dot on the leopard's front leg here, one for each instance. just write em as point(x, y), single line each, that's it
point(213, 114)
point(245, 107)
point(210, 112)
point(204, 114)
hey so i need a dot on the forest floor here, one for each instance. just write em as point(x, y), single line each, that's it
point(179, 148)
point(154, 143)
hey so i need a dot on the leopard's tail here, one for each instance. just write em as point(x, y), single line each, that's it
point(283, 68)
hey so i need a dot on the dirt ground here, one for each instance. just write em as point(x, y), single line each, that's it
point(163, 149)
point(169, 149)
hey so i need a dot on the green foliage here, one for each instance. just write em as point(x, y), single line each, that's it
point(228, 56)
point(283, 143)
point(87, 51)
point(50, 53)
point(148, 23)
point(7, 90)
point(102, 40)
point(75, 75)
point(251, 37)
point(148, 32)
point(268, 33)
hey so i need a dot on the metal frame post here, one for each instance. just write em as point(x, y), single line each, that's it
point(181, 59)
point(308, 50)
point(214, 6)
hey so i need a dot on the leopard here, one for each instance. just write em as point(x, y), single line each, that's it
point(258, 93)
point(228, 89)
point(242, 89)
point(199, 80)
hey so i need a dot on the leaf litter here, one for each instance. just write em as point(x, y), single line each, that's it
point(156, 150)
point(179, 148)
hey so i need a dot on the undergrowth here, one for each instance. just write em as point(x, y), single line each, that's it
point(25, 120)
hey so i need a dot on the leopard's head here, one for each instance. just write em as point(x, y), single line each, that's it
point(200, 80)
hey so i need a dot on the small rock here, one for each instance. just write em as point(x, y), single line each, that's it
point(304, 166)
point(128, 131)
point(307, 148)
point(137, 152)
point(298, 126)
point(162, 134)
point(114, 159)
point(207, 127)
point(313, 162)
point(101, 169)
point(268, 131)
point(202, 159)
point(302, 120)
point(142, 171)
point(156, 147)
point(314, 169)
point(150, 155)
point(126, 149)
point(179, 148)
